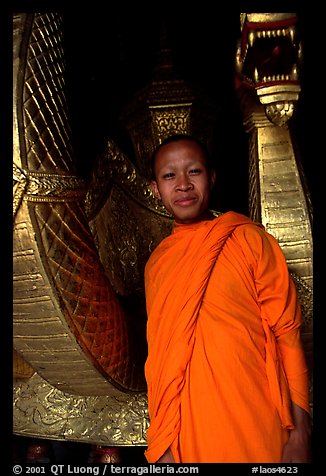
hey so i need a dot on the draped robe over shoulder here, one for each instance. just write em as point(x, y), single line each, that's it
point(225, 358)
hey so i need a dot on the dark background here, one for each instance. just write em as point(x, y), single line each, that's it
point(111, 55)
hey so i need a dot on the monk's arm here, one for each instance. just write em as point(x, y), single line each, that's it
point(166, 457)
point(279, 304)
point(298, 447)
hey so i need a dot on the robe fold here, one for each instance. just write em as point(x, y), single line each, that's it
point(225, 358)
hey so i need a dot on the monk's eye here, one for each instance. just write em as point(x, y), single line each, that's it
point(194, 171)
point(168, 175)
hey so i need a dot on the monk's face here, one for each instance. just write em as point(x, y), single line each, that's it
point(183, 181)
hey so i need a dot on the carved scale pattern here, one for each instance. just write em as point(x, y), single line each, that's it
point(85, 301)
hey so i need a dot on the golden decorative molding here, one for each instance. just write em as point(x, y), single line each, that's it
point(49, 187)
point(43, 187)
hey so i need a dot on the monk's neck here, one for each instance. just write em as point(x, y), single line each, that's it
point(205, 217)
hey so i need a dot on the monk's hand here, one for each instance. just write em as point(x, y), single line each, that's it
point(298, 447)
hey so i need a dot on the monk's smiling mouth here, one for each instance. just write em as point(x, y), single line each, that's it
point(185, 201)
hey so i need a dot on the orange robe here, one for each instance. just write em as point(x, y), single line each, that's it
point(222, 309)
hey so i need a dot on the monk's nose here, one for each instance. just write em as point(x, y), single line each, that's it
point(183, 184)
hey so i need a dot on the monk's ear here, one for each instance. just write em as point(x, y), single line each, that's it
point(212, 177)
point(155, 190)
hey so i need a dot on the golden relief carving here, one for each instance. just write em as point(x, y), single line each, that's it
point(126, 220)
point(114, 167)
point(42, 410)
point(279, 112)
point(167, 123)
point(129, 237)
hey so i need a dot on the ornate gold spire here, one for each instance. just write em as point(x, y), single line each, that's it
point(168, 104)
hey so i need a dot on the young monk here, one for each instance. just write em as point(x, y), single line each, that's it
point(226, 373)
